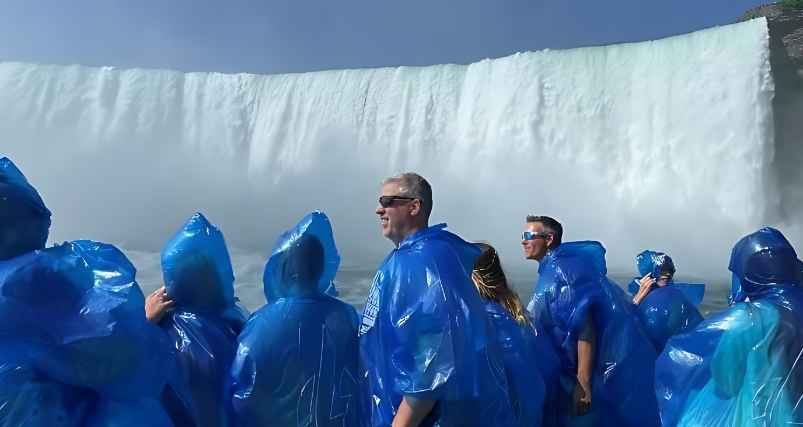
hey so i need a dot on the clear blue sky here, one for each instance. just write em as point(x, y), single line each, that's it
point(270, 37)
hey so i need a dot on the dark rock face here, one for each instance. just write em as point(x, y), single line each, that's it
point(786, 59)
point(786, 27)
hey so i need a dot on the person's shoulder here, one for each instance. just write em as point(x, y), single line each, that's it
point(337, 307)
point(336, 303)
point(273, 320)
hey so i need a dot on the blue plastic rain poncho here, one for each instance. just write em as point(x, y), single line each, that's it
point(532, 368)
point(742, 367)
point(571, 287)
point(425, 334)
point(203, 325)
point(75, 346)
point(654, 262)
point(296, 363)
point(24, 219)
point(667, 310)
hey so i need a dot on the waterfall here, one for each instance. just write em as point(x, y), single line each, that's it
point(663, 145)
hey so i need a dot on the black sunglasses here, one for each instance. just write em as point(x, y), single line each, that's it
point(387, 201)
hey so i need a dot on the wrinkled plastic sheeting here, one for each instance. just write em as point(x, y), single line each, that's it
point(203, 325)
point(532, 368)
point(571, 287)
point(197, 268)
point(74, 340)
point(742, 366)
point(32, 400)
point(296, 363)
point(666, 312)
point(317, 225)
point(206, 345)
point(425, 334)
point(652, 262)
point(24, 219)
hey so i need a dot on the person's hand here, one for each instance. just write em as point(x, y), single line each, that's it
point(644, 288)
point(582, 397)
point(157, 304)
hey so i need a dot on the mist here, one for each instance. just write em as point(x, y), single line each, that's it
point(663, 145)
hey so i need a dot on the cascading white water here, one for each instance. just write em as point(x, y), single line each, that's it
point(661, 145)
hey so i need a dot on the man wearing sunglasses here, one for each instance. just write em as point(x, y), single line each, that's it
point(427, 348)
point(603, 352)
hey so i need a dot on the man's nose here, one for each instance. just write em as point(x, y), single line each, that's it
point(379, 209)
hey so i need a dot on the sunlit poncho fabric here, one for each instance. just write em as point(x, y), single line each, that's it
point(75, 346)
point(203, 325)
point(742, 366)
point(571, 286)
point(532, 368)
point(24, 219)
point(667, 310)
point(296, 363)
point(425, 334)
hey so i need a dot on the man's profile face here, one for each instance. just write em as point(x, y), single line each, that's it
point(537, 247)
point(395, 219)
point(664, 279)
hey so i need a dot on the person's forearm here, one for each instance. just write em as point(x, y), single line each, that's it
point(585, 355)
point(639, 297)
point(412, 411)
point(585, 358)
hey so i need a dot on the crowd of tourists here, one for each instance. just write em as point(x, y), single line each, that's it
point(443, 339)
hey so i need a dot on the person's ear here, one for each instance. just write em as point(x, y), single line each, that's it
point(549, 239)
point(415, 207)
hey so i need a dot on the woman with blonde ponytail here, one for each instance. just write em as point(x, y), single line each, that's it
point(531, 362)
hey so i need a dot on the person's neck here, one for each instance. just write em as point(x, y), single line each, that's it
point(548, 251)
point(410, 231)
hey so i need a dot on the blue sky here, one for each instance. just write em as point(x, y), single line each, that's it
point(270, 37)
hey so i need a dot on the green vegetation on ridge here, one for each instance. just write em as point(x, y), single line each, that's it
point(790, 5)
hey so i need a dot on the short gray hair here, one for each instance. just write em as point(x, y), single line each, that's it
point(414, 186)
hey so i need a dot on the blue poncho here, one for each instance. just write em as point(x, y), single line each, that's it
point(24, 219)
point(532, 368)
point(75, 346)
point(742, 367)
point(667, 310)
point(203, 325)
point(653, 262)
point(425, 334)
point(296, 363)
point(571, 286)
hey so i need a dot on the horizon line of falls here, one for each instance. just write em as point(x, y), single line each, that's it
point(663, 145)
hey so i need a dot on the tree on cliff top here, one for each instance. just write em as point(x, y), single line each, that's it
point(790, 5)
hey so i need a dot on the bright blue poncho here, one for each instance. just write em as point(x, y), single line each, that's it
point(667, 310)
point(571, 286)
point(203, 325)
point(652, 262)
point(24, 219)
point(742, 367)
point(75, 346)
point(532, 368)
point(425, 334)
point(296, 363)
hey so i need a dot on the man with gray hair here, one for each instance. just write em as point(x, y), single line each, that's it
point(428, 352)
